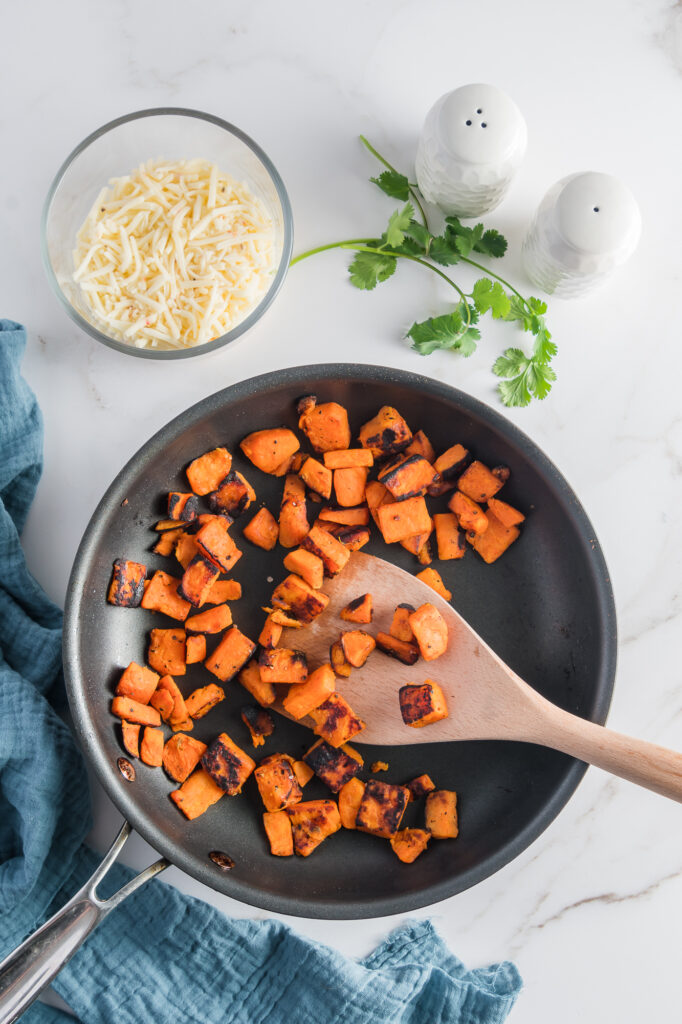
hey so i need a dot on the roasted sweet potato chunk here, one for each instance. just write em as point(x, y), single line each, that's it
point(162, 596)
point(224, 590)
point(420, 445)
point(353, 537)
point(311, 823)
point(441, 814)
point(280, 835)
point(402, 519)
point(430, 630)
point(195, 649)
point(307, 565)
point(293, 514)
point(450, 541)
point(386, 434)
point(270, 634)
point(359, 610)
point(127, 583)
point(451, 463)
point(165, 545)
point(200, 701)
point(333, 766)
point(137, 682)
point(422, 704)
point(496, 539)
point(132, 711)
point(304, 698)
point(162, 700)
point(207, 472)
point(410, 478)
point(131, 738)
point(268, 449)
point(350, 458)
point(317, 477)
point(381, 808)
point(259, 722)
point(197, 794)
point(326, 426)
point(197, 580)
point(182, 507)
point(213, 620)
point(408, 843)
point(420, 786)
point(470, 515)
point(234, 495)
point(349, 485)
point(166, 652)
point(177, 717)
point(375, 496)
point(506, 514)
point(357, 645)
point(151, 746)
point(350, 798)
point(181, 755)
point(404, 650)
point(333, 554)
point(262, 530)
point(231, 654)
point(283, 665)
point(335, 721)
point(432, 578)
point(480, 483)
point(186, 549)
point(400, 626)
point(338, 660)
point(216, 544)
point(228, 765)
point(302, 772)
point(346, 516)
point(250, 679)
point(277, 784)
point(294, 595)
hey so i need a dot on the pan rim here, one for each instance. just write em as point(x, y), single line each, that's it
point(317, 908)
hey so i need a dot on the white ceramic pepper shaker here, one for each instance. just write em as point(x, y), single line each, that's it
point(471, 145)
point(587, 225)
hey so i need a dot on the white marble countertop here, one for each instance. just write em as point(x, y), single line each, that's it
point(591, 911)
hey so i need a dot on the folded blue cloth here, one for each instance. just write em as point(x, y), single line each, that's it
point(162, 956)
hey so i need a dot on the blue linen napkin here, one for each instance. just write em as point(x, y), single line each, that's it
point(162, 956)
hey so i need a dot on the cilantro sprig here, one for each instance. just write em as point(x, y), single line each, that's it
point(524, 375)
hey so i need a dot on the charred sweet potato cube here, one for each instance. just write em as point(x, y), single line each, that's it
point(304, 698)
point(163, 701)
point(186, 549)
point(195, 649)
point(350, 798)
point(262, 530)
point(280, 617)
point(130, 733)
point(293, 513)
point(224, 590)
point(231, 654)
point(441, 814)
point(420, 786)
point(216, 544)
point(177, 715)
point(259, 722)
point(415, 544)
point(335, 721)
point(277, 784)
point(234, 495)
point(480, 483)
point(338, 660)
point(399, 520)
point(197, 580)
point(326, 427)
point(353, 537)
point(381, 808)
point(350, 458)
point(422, 704)
point(270, 634)
point(349, 485)
point(283, 665)
point(408, 843)
point(375, 496)
point(357, 645)
point(386, 434)
point(302, 772)
point(450, 541)
point(400, 626)
point(127, 583)
point(410, 478)
point(137, 682)
point(470, 515)
point(430, 630)
point(432, 578)
point(452, 462)
point(333, 554)
point(317, 477)
point(200, 701)
point(132, 711)
point(182, 507)
point(420, 445)
point(424, 555)
point(166, 653)
point(294, 595)
point(268, 449)
point(346, 516)
point(250, 679)
point(228, 765)
point(162, 596)
point(206, 473)
point(151, 746)
point(378, 766)
point(197, 794)
point(496, 539)
point(213, 620)
point(307, 565)
point(333, 766)
point(507, 514)
point(280, 836)
point(404, 650)
point(181, 755)
point(311, 823)
point(165, 545)
point(359, 610)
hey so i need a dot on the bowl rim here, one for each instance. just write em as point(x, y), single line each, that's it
point(254, 315)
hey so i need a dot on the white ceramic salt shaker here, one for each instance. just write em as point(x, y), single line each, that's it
point(586, 225)
point(471, 145)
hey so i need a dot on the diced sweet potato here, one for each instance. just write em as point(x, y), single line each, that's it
point(495, 541)
point(450, 540)
point(333, 766)
point(182, 507)
point(270, 634)
point(408, 843)
point(283, 665)
point(420, 786)
point(338, 660)
point(250, 679)
point(386, 434)
point(420, 445)
point(131, 737)
point(127, 583)
point(420, 540)
point(206, 473)
point(311, 823)
point(151, 747)
point(317, 477)
point(224, 590)
point(335, 721)
point(293, 514)
point(195, 649)
point(357, 645)
point(163, 701)
point(262, 530)
point(302, 772)
point(179, 717)
point(432, 578)
point(304, 698)
point(279, 832)
point(400, 626)
point(326, 427)
point(359, 610)
point(470, 515)
point(333, 554)
point(268, 449)
point(349, 458)
point(451, 463)
point(401, 519)
point(197, 794)
point(162, 596)
point(346, 516)
point(441, 814)
point(349, 485)
point(234, 495)
point(200, 701)
point(137, 682)
point(198, 580)
point(430, 630)
point(350, 798)
point(404, 650)
point(165, 545)
point(231, 654)
point(213, 620)
point(480, 483)
point(165, 525)
point(410, 478)
point(307, 565)
point(132, 711)
point(259, 722)
point(215, 542)
point(296, 596)
point(186, 549)
point(277, 784)
point(375, 496)
point(381, 808)
point(424, 555)
point(228, 765)
point(422, 704)
point(166, 652)
point(507, 514)
point(181, 755)
point(353, 537)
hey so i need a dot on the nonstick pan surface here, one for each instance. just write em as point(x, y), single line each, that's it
point(545, 607)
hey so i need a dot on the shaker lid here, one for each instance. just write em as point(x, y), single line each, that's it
point(597, 213)
point(480, 124)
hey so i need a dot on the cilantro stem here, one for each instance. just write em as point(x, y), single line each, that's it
point(491, 273)
point(390, 167)
point(331, 245)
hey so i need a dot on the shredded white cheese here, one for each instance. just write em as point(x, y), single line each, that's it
point(174, 255)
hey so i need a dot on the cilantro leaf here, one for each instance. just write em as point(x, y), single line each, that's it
point(449, 331)
point(489, 295)
point(421, 235)
point(442, 250)
point(492, 243)
point(398, 224)
point(540, 377)
point(512, 362)
point(514, 392)
point(544, 347)
point(393, 184)
point(369, 268)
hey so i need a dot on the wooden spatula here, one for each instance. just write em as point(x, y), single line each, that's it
point(486, 699)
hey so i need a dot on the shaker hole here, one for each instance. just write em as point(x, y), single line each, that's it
point(479, 111)
point(468, 122)
point(595, 209)
point(483, 124)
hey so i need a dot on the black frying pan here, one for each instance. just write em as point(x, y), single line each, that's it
point(546, 608)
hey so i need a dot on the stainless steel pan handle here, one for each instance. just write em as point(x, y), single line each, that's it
point(32, 966)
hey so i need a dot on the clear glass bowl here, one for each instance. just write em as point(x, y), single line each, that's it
point(169, 133)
